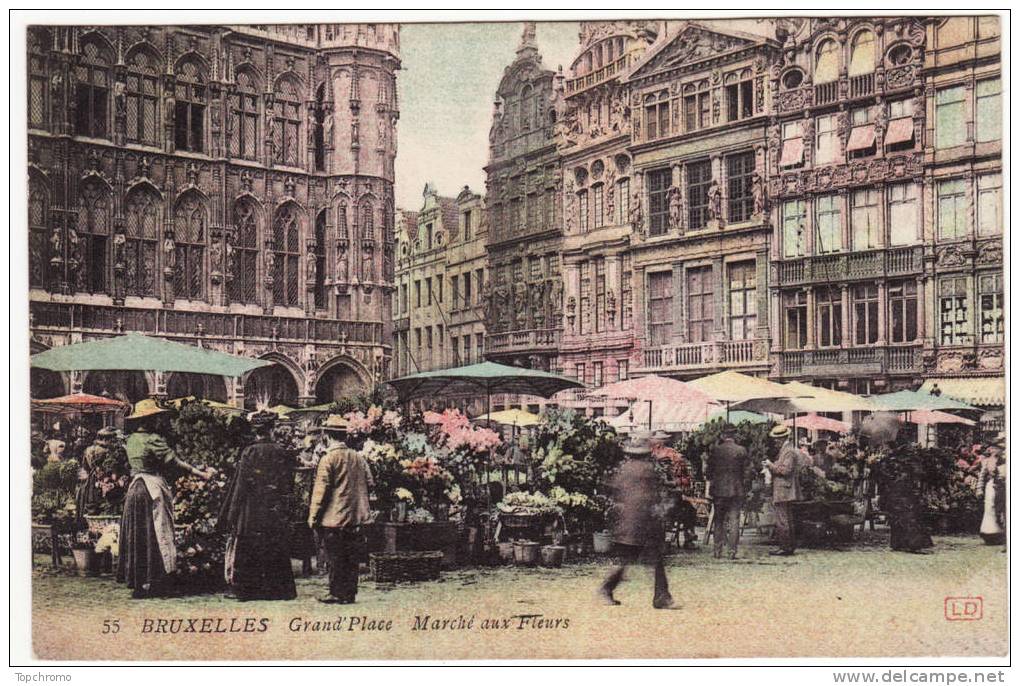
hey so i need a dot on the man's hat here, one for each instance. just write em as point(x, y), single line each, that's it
point(334, 424)
point(146, 408)
point(262, 420)
point(660, 435)
point(107, 433)
point(781, 431)
point(640, 443)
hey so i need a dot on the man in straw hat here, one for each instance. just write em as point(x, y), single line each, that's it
point(338, 509)
point(637, 532)
point(785, 487)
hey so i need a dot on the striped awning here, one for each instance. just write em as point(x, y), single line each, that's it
point(987, 391)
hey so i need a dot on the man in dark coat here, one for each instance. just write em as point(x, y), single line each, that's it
point(255, 512)
point(727, 466)
point(637, 533)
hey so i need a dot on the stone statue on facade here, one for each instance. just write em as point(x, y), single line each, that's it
point(715, 201)
point(676, 208)
point(119, 243)
point(758, 194)
point(311, 268)
point(169, 254)
point(120, 97)
point(636, 219)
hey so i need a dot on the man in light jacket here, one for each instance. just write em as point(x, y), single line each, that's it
point(338, 509)
point(785, 488)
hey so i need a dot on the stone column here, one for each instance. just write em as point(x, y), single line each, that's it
point(679, 303)
point(812, 318)
point(844, 295)
point(883, 295)
point(614, 285)
point(720, 303)
point(761, 264)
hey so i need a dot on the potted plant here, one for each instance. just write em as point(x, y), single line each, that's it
point(83, 547)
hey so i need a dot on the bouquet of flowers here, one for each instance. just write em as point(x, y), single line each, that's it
point(523, 502)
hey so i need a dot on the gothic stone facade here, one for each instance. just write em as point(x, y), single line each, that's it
point(226, 186)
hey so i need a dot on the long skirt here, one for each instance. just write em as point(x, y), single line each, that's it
point(140, 564)
point(258, 568)
point(991, 530)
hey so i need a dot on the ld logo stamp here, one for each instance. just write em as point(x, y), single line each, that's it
point(964, 609)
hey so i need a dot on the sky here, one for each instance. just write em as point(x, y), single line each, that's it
point(446, 87)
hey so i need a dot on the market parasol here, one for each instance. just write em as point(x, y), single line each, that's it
point(484, 377)
point(908, 401)
point(137, 352)
point(814, 422)
point(665, 415)
point(687, 403)
point(734, 387)
point(928, 417)
point(512, 417)
point(736, 417)
point(83, 403)
point(816, 399)
point(214, 404)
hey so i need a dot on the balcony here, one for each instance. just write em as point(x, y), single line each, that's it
point(528, 340)
point(862, 85)
point(826, 92)
point(705, 356)
point(851, 87)
point(598, 76)
point(871, 264)
point(848, 362)
point(64, 318)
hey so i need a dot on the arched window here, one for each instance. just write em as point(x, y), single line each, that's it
point(827, 62)
point(38, 234)
point(189, 110)
point(189, 250)
point(38, 84)
point(142, 98)
point(244, 286)
point(91, 114)
point(862, 54)
point(367, 230)
point(286, 140)
point(341, 220)
point(318, 136)
point(245, 111)
point(286, 243)
point(141, 224)
point(320, 260)
point(526, 108)
point(88, 246)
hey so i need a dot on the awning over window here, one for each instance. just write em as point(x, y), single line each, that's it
point(900, 131)
point(861, 138)
point(793, 152)
point(987, 391)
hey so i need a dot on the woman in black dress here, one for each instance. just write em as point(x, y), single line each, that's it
point(257, 517)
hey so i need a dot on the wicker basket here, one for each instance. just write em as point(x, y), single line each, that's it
point(407, 566)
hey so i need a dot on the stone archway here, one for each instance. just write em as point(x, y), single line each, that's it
point(339, 379)
point(204, 386)
point(44, 383)
point(122, 385)
point(269, 386)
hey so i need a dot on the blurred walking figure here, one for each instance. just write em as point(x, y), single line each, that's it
point(338, 509)
point(637, 531)
point(785, 488)
point(255, 513)
point(726, 470)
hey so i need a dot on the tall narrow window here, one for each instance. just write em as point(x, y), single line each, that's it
point(582, 211)
point(38, 234)
point(598, 214)
point(286, 139)
point(950, 117)
point(902, 311)
point(827, 62)
point(622, 201)
point(90, 249)
point(92, 92)
point(189, 110)
point(952, 209)
point(244, 286)
point(319, 141)
point(245, 127)
point(320, 261)
point(287, 245)
point(467, 290)
point(989, 205)
point(660, 308)
point(142, 227)
point(38, 82)
point(862, 54)
point(792, 151)
point(600, 295)
point(697, 106)
point(826, 139)
point(954, 314)
point(988, 126)
point(740, 183)
point(658, 204)
point(367, 229)
point(793, 228)
point(700, 313)
point(829, 307)
point(142, 99)
point(584, 297)
point(865, 314)
point(795, 327)
point(739, 98)
point(657, 115)
point(990, 301)
point(467, 224)
point(626, 293)
point(189, 239)
point(828, 232)
point(526, 108)
point(864, 225)
point(596, 374)
point(699, 180)
point(743, 300)
point(904, 223)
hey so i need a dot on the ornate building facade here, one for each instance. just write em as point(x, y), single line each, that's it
point(701, 228)
point(524, 297)
point(225, 186)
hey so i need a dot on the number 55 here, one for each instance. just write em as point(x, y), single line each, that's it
point(111, 626)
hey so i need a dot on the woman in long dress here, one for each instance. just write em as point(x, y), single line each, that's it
point(148, 555)
point(991, 484)
point(256, 514)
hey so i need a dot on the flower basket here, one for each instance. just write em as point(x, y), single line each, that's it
point(405, 566)
point(602, 542)
point(552, 555)
point(88, 562)
point(526, 553)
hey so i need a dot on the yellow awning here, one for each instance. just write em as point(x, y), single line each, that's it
point(978, 390)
